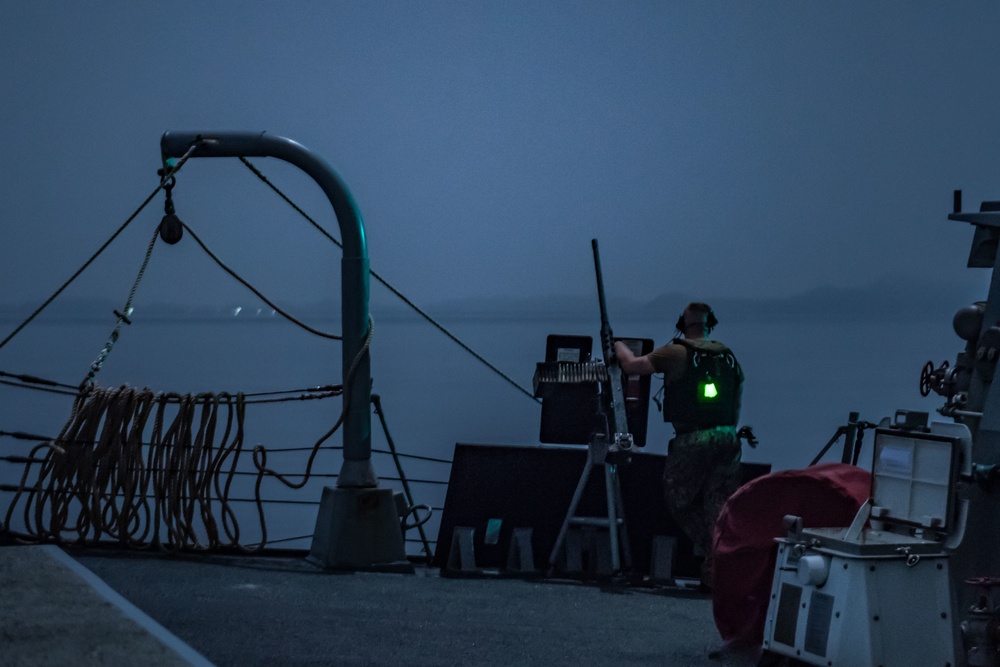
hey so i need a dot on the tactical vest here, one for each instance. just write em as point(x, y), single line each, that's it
point(708, 392)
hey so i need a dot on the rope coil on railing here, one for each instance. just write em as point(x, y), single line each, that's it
point(172, 484)
point(98, 476)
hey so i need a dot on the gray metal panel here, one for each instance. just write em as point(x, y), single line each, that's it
point(787, 619)
point(818, 623)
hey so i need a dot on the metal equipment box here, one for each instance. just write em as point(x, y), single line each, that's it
point(878, 592)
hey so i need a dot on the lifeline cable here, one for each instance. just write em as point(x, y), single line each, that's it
point(48, 390)
point(307, 394)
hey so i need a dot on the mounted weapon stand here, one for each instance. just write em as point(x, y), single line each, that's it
point(609, 448)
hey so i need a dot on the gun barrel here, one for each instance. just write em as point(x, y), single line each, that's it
point(620, 435)
point(605, 324)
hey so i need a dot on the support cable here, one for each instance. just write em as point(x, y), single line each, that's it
point(412, 506)
point(123, 317)
point(37, 380)
point(260, 452)
point(388, 286)
point(253, 289)
point(167, 174)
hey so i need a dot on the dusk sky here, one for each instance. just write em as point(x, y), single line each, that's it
point(727, 148)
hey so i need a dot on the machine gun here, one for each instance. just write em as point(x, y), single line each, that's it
point(619, 439)
point(607, 449)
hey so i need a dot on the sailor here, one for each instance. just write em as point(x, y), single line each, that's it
point(703, 384)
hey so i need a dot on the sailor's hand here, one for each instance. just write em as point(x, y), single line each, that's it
point(746, 433)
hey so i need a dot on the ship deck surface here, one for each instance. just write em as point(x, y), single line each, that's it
point(245, 611)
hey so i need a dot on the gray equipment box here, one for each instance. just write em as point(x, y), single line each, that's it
point(878, 591)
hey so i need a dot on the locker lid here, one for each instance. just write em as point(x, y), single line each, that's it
point(913, 478)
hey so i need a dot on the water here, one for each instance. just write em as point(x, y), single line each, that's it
point(803, 378)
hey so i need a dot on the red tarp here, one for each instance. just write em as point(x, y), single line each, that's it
point(826, 495)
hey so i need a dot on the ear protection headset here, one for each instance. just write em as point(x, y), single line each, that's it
point(710, 321)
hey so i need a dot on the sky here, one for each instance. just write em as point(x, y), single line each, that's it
point(742, 149)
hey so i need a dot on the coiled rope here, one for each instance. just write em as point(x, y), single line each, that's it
point(97, 479)
point(94, 470)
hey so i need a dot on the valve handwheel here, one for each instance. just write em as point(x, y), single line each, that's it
point(927, 379)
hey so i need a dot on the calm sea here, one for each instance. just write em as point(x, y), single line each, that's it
point(803, 378)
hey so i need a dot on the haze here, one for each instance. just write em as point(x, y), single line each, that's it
point(724, 149)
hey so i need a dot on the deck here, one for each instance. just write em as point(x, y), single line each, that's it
point(99, 607)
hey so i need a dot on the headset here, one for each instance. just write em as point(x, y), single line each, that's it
point(711, 321)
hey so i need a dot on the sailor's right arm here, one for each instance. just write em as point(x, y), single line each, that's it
point(631, 364)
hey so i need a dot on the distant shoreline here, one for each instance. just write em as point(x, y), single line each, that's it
point(889, 300)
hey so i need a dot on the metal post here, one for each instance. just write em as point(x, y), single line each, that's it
point(357, 469)
point(852, 434)
point(357, 472)
point(610, 492)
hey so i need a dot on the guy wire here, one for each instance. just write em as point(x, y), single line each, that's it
point(388, 286)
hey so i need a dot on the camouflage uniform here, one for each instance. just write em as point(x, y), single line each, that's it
point(703, 461)
point(701, 471)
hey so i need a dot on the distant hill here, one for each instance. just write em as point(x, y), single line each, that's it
point(890, 299)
